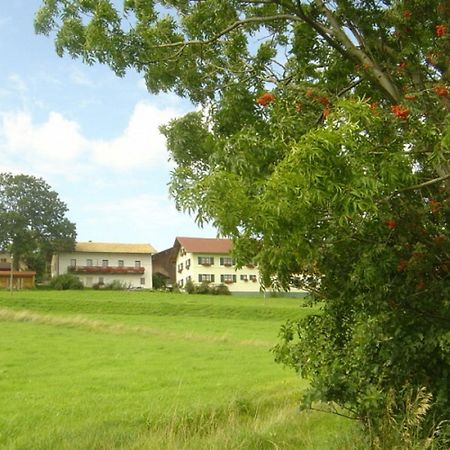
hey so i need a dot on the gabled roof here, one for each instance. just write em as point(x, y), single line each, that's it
point(107, 247)
point(204, 245)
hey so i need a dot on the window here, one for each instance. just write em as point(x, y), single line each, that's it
point(89, 262)
point(73, 263)
point(2, 259)
point(180, 267)
point(142, 281)
point(209, 277)
point(181, 283)
point(137, 264)
point(244, 278)
point(101, 280)
point(226, 261)
point(120, 263)
point(206, 260)
point(228, 278)
point(253, 278)
point(188, 278)
point(188, 264)
point(105, 263)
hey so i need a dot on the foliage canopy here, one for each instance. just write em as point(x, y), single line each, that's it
point(322, 147)
point(32, 221)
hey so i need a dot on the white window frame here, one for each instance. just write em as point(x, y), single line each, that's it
point(208, 277)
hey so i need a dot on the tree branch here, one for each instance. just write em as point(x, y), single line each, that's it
point(425, 184)
point(356, 53)
point(231, 27)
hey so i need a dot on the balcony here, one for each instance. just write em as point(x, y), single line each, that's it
point(106, 269)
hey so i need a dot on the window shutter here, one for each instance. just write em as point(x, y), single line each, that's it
point(221, 261)
point(222, 278)
point(199, 278)
point(234, 278)
point(212, 278)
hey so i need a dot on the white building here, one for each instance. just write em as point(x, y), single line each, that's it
point(102, 263)
point(204, 259)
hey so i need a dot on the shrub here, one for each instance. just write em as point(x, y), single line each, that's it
point(159, 281)
point(117, 285)
point(190, 287)
point(205, 288)
point(66, 281)
point(202, 288)
point(220, 289)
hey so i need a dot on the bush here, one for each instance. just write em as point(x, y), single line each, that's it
point(202, 288)
point(159, 281)
point(117, 285)
point(220, 289)
point(66, 281)
point(190, 287)
point(205, 288)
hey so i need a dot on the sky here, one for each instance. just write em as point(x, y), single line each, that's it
point(91, 136)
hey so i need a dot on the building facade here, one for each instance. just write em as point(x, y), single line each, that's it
point(209, 260)
point(15, 279)
point(97, 263)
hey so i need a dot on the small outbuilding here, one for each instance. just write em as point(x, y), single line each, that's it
point(19, 279)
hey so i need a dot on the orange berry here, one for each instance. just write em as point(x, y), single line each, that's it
point(400, 111)
point(323, 100)
point(420, 285)
point(441, 90)
point(402, 265)
point(265, 99)
point(391, 224)
point(441, 30)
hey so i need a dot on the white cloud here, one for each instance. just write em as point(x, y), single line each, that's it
point(18, 83)
point(141, 144)
point(46, 148)
point(80, 78)
point(58, 146)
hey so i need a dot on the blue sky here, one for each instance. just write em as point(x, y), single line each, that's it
point(92, 136)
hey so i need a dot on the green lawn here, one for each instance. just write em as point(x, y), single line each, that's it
point(138, 370)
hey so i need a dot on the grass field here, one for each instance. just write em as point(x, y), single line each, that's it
point(144, 370)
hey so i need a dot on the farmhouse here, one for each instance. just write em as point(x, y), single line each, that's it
point(102, 263)
point(207, 259)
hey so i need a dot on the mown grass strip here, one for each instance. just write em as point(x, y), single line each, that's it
point(155, 304)
point(24, 315)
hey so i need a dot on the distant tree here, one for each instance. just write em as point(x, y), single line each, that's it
point(159, 281)
point(321, 145)
point(32, 221)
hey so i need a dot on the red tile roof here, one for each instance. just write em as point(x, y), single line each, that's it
point(204, 245)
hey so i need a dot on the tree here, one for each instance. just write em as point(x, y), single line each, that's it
point(32, 221)
point(321, 147)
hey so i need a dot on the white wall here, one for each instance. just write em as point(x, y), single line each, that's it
point(61, 263)
point(216, 269)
